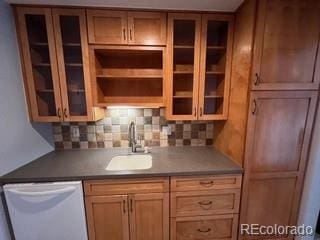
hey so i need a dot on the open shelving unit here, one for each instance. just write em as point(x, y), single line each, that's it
point(131, 76)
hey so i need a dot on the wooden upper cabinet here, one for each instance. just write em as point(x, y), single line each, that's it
point(41, 76)
point(149, 217)
point(122, 28)
point(73, 62)
point(56, 64)
point(199, 66)
point(183, 59)
point(215, 66)
point(107, 27)
point(107, 217)
point(286, 45)
point(147, 28)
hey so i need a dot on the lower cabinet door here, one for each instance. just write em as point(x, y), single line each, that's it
point(107, 217)
point(204, 227)
point(149, 216)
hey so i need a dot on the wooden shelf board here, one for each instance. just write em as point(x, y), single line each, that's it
point(74, 64)
point(76, 90)
point(175, 96)
point(216, 48)
point(183, 46)
point(152, 102)
point(71, 44)
point(182, 72)
point(215, 72)
point(129, 76)
point(45, 90)
point(213, 96)
point(41, 64)
point(39, 44)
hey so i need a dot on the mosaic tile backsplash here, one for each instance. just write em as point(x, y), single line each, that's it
point(112, 131)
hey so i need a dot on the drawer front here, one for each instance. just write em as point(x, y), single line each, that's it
point(116, 186)
point(205, 183)
point(205, 202)
point(204, 228)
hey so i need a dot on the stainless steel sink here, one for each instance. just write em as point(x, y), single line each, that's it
point(130, 162)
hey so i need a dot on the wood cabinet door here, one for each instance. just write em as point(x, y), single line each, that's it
point(107, 217)
point(278, 136)
point(41, 76)
point(183, 46)
point(149, 216)
point(215, 66)
point(147, 28)
point(286, 45)
point(107, 27)
point(73, 61)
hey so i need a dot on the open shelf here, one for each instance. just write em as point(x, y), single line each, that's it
point(129, 76)
point(127, 73)
point(217, 48)
point(183, 47)
point(215, 72)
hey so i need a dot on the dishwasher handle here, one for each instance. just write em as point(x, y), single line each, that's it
point(42, 193)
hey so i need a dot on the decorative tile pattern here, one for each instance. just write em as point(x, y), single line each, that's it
point(112, 131)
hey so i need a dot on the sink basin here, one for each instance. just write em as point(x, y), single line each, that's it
point(130, 162)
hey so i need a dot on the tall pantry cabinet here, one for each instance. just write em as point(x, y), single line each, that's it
point(283, 99)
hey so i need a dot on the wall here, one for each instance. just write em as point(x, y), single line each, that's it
point(310, 203)
point(229, 136)
point(20, 142)
point(112, 131)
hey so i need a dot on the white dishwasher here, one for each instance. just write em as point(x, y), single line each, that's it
point(47, 211)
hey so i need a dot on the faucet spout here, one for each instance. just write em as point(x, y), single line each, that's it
point(132, 137)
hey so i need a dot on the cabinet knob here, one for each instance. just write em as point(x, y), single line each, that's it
point(130, 32)
point(201, 112)
point(195, 111)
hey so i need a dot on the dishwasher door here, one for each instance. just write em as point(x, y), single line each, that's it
point(47, 211)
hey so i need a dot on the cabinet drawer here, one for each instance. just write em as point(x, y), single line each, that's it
point(205, 182)
point(204, 228)
point(205, 202)
point(117, 186)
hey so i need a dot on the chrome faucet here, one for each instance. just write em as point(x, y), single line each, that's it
point(132, 137)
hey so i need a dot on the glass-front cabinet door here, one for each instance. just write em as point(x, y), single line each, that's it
point(40, 64)
point(183, 65)
point(215, 66)
point(72, 52)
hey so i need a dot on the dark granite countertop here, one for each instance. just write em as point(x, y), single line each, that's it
point(91, 163)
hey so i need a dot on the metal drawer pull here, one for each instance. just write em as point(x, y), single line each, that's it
point(206, 183)
point(204, 231)
point(124, 206)
point(206, 205)
point(257, 79)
